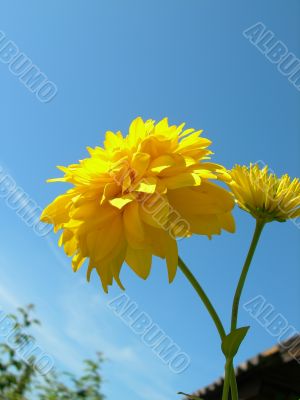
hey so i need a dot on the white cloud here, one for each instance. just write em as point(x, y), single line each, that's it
point(101, 329)
point(8, 298)
point(78, 324)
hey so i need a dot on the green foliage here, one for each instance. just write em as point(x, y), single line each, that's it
point(20, 381)
point(232, 342)
point(87, 386)
point(16, 376)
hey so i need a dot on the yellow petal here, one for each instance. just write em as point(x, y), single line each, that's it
point(140, 163)
point(65, 236)
point(154, 210)
point(171, 251)
point(205, 225)
point(58, 211)
point(147, 185)
point(116, 265)
point(111, 190)
point(161, 163)
point(227, 222)
point(136, 131)
point(207, 198)
point(112, 140)
point(102, 242)
point(85, 210)
point(105, 275)
point(120, 202)
point(139, 260)
point(133, 225)
point(182, 180)
point(77, 262)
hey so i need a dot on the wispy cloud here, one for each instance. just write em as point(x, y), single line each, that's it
point(87, 326)
point(7, 298)
point(99, 329)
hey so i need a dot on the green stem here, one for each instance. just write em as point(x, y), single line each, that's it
point(235, 306)
point(230, 381)
point(210, 308)
point(233, 385)
point(229, 369)
point(226, 380)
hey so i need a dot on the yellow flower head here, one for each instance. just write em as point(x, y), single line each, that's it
point(264, 195)
point(132, 198)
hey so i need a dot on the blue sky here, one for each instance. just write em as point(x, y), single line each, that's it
point(113, 60)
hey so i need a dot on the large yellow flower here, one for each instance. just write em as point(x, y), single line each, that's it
point(264, 195)
point(132, 198)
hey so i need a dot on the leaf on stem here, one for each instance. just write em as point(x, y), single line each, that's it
point(232, 342)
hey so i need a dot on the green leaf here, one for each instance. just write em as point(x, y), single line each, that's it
point(232, 342)
point(190, 396)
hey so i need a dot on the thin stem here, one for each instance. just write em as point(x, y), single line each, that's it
point(226, 380)
point(235, 306)
point(233, 385)
point(230, 379)
point(210, 308)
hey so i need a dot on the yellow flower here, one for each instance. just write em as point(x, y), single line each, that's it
point(264, 195)
point(132, 198)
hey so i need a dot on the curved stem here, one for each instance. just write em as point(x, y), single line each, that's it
point(230, 379)
point(235, 306)
point(210, 308)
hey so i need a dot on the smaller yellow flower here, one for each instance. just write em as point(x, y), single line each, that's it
point(263, 194)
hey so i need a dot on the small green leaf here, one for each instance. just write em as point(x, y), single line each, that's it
point(232, 342)
point(190, 396)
